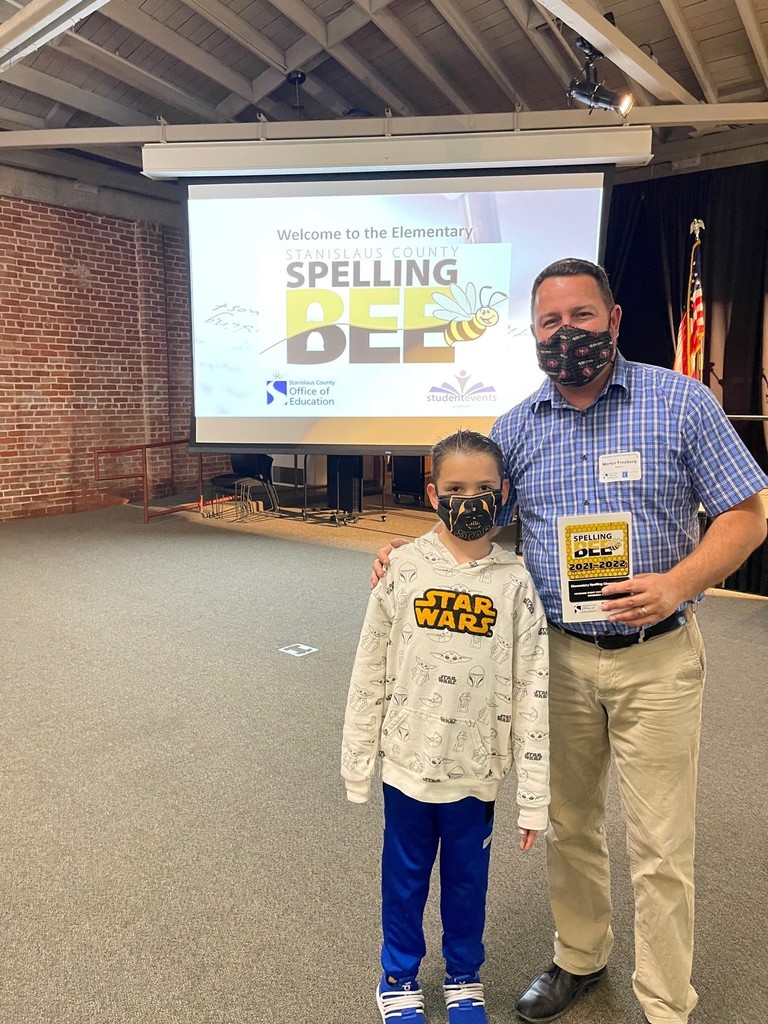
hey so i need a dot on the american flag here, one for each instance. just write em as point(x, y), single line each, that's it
point(689, 356)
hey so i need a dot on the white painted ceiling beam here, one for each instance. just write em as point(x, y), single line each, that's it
point(359, 68)
point(414, 52)
point(557, 34)
point(584, 19)
point(258, 44)
point(696, 115)
point(233, 25)
point(755, 35)
point(38, 23)
point(323, 94)
point(232, 105)
point(80, 99)
point(272, 79)
point(136, 21)
point(690, 48)
point(521, 13)
point(58, 116)
point(123, 71)
point(15, 120)
point(473, 41)
point(640, 94)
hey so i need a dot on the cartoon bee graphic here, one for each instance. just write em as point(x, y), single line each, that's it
point(468, 315)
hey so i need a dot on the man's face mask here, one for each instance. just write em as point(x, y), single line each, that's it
point(469, 518)
point(573, 357)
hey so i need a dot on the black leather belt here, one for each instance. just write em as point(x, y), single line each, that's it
point(615, 641)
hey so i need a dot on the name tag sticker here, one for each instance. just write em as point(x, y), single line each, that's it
point(594, 550)
point(620, 467)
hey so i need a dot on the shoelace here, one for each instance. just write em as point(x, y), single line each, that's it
point(467, 991)
point(395, 1003)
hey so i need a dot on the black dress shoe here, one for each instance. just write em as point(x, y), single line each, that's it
point(550, 995)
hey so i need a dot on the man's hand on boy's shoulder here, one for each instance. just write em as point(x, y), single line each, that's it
point(381, 564)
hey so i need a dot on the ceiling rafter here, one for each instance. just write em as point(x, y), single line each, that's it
point(584, 19)
point(556, 28)
point(131, 74)
point(80, 99)
point(640, 94)
point(307, 53)
point(278, 61)
point(521, 13)
point(58, 116)
point(218, 14)
point(414, 52)
point(690, 48)
point(755, 35)
point(194, 56)
point(474, 42)
point(38, 23)
point(359, 68)
point(13, 120)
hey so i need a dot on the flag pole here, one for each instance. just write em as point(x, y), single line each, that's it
point(697, 363)
point(689, 354)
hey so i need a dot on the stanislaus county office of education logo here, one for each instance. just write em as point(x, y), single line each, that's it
point(277, 391)
point(463, 391)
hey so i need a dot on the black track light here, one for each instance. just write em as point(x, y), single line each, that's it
point(590, 93)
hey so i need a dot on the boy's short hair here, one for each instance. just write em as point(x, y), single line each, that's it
point(468, 442)
point(572, 267)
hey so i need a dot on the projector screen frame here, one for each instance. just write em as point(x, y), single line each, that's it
point(450, 422)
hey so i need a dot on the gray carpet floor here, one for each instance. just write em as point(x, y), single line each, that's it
point(176, 845)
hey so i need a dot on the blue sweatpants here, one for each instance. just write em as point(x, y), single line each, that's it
point(413, 830)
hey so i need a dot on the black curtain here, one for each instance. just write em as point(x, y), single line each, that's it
point(647, 258)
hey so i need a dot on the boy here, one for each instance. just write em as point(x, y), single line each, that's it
point(449, 684)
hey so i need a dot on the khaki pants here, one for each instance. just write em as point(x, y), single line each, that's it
point(643, 703)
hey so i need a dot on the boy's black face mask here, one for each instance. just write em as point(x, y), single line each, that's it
point(573, 357)
point(469, 518)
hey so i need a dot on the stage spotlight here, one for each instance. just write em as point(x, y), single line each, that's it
point(597, 97)
point(589, 92)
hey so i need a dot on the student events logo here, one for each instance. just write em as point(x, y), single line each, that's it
point(462, 391)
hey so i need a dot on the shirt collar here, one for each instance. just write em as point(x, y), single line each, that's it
point(549, 393)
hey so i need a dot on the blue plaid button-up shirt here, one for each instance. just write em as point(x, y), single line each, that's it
point(690, 454)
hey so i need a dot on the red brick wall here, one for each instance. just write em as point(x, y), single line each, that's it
point(94, 353)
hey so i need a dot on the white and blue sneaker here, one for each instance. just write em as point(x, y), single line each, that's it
point(465, 999)
point(400, 1002)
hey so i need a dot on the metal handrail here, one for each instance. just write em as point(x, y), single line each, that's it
point(144, 475)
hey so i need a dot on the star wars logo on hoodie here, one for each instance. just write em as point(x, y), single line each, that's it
point(457, 612)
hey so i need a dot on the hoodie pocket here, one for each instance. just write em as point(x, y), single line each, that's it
point(434, 748)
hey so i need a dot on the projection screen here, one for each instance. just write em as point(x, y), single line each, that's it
point(366, 314)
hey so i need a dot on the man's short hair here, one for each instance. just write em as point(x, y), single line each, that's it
point(572, 267)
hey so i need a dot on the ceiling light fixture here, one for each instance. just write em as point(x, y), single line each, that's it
point(593, 94)
point(297, 79)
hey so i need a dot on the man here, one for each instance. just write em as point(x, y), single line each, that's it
point(630, 686)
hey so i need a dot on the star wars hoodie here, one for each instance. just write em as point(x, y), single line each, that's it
point(450, 682)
